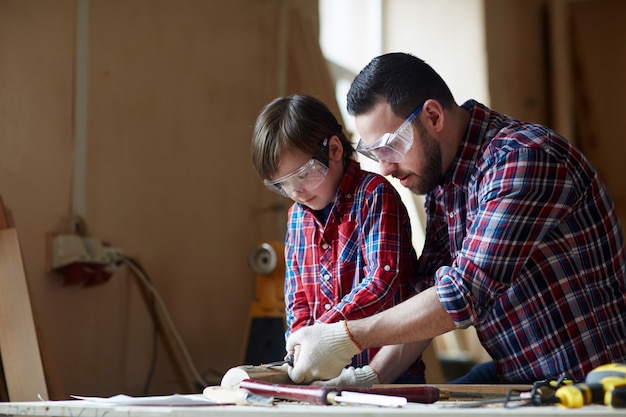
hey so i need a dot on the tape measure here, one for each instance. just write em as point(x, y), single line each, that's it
point(617, 370)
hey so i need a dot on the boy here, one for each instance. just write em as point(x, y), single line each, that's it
point(348, 249)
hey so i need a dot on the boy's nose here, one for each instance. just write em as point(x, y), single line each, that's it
point(295, 191)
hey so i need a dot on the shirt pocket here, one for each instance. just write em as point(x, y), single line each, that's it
point(348, 242)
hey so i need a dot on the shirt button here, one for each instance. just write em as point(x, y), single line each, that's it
point(327, 307)
point(325, 246)
point(326, 277)
point(387, 268)
point(348, 196)
point(451, 214)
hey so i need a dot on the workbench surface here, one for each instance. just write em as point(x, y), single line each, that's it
point(79, 408)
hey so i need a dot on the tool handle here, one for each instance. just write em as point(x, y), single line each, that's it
point(425, 394)
point(577, 395)
point(309, 394)
point(616, 398)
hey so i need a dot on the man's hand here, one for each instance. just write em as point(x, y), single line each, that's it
point(320, 351)
point(353, 377)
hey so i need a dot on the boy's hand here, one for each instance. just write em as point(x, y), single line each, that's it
point(320, 351)
point(353, 377)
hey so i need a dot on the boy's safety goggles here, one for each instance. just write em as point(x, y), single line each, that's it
point(391, 147)
point(305, 178)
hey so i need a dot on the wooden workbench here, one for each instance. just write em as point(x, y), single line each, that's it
point(79, 408)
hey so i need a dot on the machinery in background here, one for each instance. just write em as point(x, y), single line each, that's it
point(264, 339)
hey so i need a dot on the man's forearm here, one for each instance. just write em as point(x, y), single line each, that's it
point(417, 319)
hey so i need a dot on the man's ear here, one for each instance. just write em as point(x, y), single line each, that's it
point(335, 148)
point(433, 110)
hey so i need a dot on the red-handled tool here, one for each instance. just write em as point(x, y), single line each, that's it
point(324, 395)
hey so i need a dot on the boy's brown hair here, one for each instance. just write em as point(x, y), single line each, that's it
point(294, 122)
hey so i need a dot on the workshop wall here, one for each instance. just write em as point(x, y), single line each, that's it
point(560, 63)
point(173, 89)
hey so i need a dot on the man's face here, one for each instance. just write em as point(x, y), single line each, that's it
point(421, 168)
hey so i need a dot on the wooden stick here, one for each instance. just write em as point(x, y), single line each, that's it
point(273, 374)
point(21, 358)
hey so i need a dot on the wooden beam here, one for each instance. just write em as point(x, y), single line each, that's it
point(21, 359)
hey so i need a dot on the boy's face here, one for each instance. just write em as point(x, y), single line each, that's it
point(299, 189)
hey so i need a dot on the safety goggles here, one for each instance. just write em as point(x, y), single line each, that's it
point(306, 178)
point(391, 147)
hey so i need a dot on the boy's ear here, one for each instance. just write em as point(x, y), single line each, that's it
point(335, 148)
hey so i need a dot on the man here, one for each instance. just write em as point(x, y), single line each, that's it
point(522, 239)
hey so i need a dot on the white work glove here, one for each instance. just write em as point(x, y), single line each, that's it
point(320, 351)
point(352, 377)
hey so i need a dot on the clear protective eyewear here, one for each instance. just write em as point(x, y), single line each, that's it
point(306, 178)
point(391, 147)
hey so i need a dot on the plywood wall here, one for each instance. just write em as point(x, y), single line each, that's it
point(598, 65)
point(560, 63)
point(517, 47)
point(173, 91)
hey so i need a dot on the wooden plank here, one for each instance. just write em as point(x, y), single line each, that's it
point(482, 389)
point(21, 359)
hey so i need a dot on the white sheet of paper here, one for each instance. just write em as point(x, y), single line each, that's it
point(168, 400)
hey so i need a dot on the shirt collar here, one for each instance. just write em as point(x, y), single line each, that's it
point(470, 147)
point(350, 180)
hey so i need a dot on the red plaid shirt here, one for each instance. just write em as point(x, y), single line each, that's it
point(360, 262)
point(525, 245)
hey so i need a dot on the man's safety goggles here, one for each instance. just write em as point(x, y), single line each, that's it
point(306, 178)
point(391, 147)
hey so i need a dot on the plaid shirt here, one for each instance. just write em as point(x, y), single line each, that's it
point(358, 263)
point(525, 245)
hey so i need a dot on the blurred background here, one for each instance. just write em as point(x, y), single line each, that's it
point(129, 122)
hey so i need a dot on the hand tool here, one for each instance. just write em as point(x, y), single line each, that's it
point(616, 398)
point(330, 395)
point(223, 396)
point(425, 394)
point(288, 360)
point(541, 393)
point(577, 395)
point(604, 371)
point(598, 386)
point(599, 383)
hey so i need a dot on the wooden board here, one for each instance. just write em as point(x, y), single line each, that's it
point(21, 358)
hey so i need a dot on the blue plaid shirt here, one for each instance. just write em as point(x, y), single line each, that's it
point(525, 245)
point(357, 262)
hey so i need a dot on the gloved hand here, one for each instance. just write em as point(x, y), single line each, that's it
point(320, 351)
point(352, 377)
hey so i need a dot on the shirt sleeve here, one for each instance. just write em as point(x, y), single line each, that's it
point(518, 201)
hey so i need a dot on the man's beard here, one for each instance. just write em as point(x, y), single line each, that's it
point(432, 176)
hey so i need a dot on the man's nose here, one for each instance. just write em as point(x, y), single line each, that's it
point(386, 168)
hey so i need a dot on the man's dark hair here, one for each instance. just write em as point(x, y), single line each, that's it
point(402, 80)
